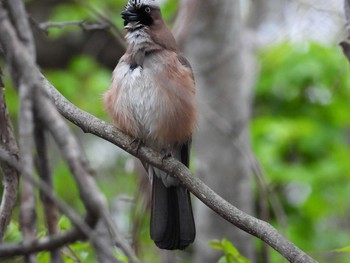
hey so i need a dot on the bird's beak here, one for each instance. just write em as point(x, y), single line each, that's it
point(130, 15)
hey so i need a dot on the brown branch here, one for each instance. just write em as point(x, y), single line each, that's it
point(118, 34)
point(43, 167)
point(18, 16)
point(27, 72)
point(83, 24)
point(82, 229)
point(28, 203)
point(256, 227)
point(43, 244)
point(90, 124)
point(10, 175)
point(28, 217)
point(92, 198)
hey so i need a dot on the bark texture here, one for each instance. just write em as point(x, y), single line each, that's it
point(224, 74)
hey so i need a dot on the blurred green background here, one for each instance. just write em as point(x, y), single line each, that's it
point(300, 132)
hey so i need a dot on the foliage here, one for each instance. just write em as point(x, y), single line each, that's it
point(231, 254)
point(83, 82)
point(301, 137)
point(300, 133)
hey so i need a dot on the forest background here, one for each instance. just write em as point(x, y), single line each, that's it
point(294, 85)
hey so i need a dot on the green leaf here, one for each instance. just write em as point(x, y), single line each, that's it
point(229, 248)
point(13, 233)
point(43, 257)
point(223, 260)
point(231, 254)
point(342, 250)
point(216, 244)
point(64, 223)
point(121, 257)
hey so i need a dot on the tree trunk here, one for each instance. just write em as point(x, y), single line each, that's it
point(266, 11)
point(224, 72)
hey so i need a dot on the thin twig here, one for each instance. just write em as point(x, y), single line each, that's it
point(118, 34)
point(81, 23)
point(115, 236)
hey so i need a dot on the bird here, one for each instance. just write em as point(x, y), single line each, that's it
point(152, 97)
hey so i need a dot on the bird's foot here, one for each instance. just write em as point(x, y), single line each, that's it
point(135, 144)
point(165, 154)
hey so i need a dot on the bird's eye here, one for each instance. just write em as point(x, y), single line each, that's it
point(147, 9)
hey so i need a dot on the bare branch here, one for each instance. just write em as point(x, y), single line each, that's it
point(10, 175)
point(18, 17)
point(92, 198)
point(85, 25)
point(93, 125)
point(28, 203)
point(82, 230)
point(118, 34)
point(249, 224)
point(43, 167)
point(27, 72)
point(28, 215)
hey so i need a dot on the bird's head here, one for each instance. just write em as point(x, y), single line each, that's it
point(141, 12)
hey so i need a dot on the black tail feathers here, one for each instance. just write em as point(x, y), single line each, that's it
point(172, 223)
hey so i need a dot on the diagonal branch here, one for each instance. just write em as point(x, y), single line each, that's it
point(90, 124)
point(27, 72)
point(82, 229)
point(93, 125)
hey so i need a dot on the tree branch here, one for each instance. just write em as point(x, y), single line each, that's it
point(25, 71)
point(28, 216)
point(43, 167)
point(93, 125)
point(81, 231)
point(18, 16)
point(90, 124)
point(10, 175)
point(85, 25)
point(118, 35)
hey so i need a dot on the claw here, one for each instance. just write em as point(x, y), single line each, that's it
point(137, 142)
point(165, 154)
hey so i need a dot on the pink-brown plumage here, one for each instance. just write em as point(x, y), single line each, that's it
point(152, 98)
point(166, 90)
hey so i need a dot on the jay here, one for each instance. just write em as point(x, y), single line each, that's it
point(152, 98)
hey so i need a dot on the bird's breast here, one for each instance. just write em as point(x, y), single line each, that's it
point(154, 102)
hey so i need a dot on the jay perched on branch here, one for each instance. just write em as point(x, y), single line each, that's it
point(152, 98)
